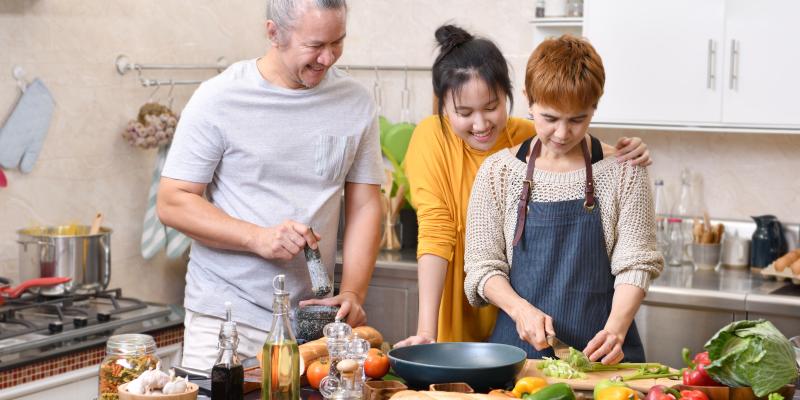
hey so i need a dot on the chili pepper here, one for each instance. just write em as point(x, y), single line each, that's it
point(617, 393)
point(695, 374)
point(528, 384)
point(556, 391)
point(661, 392)
point(693, 395)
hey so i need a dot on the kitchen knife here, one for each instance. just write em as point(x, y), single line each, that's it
point(560, 349)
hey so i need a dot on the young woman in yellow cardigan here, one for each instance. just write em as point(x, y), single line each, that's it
point(471, 81)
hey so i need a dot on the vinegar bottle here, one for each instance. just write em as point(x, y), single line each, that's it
point(281, 373)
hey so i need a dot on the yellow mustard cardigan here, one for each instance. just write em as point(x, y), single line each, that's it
point(441, 168)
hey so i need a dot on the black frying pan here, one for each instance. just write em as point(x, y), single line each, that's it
point(484, 366)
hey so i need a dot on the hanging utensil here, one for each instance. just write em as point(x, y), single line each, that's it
point(3, 181)
point(377, 92)
point(405, 99)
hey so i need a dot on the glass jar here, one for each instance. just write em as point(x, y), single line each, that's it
point(127, 356)
point(674, 254)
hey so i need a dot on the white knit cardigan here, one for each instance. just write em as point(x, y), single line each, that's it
point(626, 206)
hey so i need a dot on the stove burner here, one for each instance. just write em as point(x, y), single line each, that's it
point(55, 327)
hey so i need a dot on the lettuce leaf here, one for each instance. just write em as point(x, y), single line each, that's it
point(752, 353)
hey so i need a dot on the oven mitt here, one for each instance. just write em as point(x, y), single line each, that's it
point(22, 135)
point(156, 236)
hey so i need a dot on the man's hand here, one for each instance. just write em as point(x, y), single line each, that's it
point(349, 306)
point(284, 241)
point(633, 149)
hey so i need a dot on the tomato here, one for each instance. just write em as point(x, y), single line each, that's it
point(316, 371)
point(377, 364)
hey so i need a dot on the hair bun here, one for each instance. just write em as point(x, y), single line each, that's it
point(450, 36)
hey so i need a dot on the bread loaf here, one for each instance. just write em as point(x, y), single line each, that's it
point(311, 351)
point(787, 260)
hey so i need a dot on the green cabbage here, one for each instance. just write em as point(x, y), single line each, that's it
point(752, 353)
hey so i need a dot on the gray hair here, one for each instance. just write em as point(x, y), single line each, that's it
point(285, 12)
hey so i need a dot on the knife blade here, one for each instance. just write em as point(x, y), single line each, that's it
point(560, 349)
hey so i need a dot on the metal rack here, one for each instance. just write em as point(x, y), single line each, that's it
point(124, 65)
point(400, 68)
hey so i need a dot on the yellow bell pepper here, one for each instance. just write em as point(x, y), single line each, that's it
point(617, 393)
point(528, 384)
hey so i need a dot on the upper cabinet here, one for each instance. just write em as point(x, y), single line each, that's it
point(688, 63)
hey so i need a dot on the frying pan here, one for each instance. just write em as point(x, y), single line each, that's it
point(7, 292)
point(484, 366)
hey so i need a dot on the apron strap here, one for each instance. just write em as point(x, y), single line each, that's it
point(524, 196)
point(527, 184)
point(588, 204)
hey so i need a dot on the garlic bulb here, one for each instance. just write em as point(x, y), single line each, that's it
point(175, 387)
point(135, 386)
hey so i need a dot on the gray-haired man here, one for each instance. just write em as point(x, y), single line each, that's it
point(260, 155)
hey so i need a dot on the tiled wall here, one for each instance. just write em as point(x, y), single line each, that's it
point(86, 167)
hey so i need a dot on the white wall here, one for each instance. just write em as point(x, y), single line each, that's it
point(86, 167)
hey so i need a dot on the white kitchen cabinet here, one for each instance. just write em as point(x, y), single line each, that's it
point(762, 82)
point(671, 63)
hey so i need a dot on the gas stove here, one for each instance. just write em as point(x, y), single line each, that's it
point(33, 328)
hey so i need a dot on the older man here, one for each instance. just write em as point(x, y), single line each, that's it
point(261, 155)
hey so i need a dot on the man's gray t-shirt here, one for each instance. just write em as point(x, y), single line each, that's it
point(269, 154)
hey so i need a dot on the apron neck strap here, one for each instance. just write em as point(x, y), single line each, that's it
point(527, 184)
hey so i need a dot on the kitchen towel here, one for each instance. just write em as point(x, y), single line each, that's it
point(22, 135)
point(156, 236)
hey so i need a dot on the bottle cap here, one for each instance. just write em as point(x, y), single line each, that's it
point(279, 284)
point(227, 332)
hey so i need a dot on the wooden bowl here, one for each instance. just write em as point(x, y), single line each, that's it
point(459, 387)
point(382, 390)
point(190, 394)
point(726, 393)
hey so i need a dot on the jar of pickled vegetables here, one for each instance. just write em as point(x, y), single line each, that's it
point(127, 356)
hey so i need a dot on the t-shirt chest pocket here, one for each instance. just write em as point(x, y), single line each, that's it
point(333, 156)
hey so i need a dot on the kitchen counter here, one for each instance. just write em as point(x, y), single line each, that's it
point(728, 286)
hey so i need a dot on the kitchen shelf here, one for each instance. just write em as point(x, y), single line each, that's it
point(699, 127)
point(564, 22)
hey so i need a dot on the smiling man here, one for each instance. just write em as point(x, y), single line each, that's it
point(260, 156)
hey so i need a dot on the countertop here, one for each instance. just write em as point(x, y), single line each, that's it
point(723, 288)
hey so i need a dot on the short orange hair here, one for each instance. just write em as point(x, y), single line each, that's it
point(565, 73)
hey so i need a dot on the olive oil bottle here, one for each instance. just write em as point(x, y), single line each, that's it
point(281, 373)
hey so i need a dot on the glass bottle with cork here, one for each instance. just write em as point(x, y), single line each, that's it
point(281, 373)
point(227, 376)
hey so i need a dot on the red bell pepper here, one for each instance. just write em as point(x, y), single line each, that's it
point(661, 392)
point(693, 395)
point(695, 374)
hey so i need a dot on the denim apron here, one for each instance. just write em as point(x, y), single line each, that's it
point(562, 268)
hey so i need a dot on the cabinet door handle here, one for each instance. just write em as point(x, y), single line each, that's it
point(711, 61)
point(734, 80)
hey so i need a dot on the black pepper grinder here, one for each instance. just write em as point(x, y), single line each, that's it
point(320, 281)
point(227, 376)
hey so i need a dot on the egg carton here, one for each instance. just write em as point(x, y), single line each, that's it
point(786, 274)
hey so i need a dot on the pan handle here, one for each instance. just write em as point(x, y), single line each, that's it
point(30, 283)
point(38, 243)
point(107, 260)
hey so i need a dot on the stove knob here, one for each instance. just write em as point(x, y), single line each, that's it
point(80, 322)
point(55, 326)
point(103, 317)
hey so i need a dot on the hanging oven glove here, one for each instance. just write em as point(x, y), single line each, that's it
point(22, 135)
point(156, 236)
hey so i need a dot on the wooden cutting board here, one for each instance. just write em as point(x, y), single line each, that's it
point(593, 378)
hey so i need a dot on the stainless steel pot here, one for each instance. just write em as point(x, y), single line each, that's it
point(68, 251)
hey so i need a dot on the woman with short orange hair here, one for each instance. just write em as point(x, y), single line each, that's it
point(563, 247)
